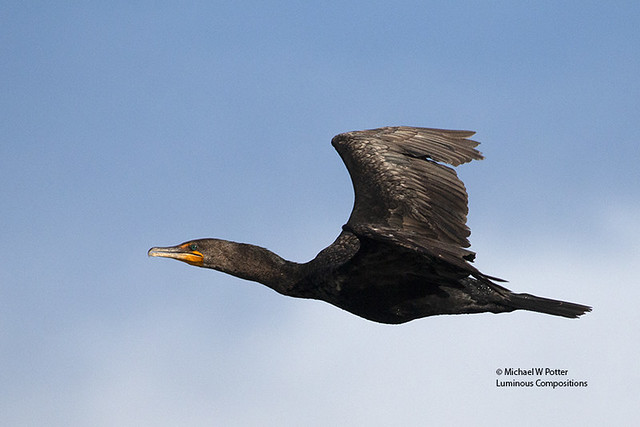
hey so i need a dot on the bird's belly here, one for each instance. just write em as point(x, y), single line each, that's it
point(394, 299)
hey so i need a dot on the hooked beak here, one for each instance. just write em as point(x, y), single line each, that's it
point(180, 252)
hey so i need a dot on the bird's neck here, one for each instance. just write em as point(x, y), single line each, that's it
point(258, 264)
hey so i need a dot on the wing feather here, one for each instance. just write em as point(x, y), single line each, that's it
point(404, 189)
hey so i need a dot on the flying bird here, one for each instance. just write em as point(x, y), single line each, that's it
point(402, 254)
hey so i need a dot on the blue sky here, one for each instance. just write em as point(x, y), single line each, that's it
point(134, 124)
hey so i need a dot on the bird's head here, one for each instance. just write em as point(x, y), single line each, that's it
point(195, 252)
point(238, 259)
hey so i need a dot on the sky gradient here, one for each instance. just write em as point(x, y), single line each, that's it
point(127, 125)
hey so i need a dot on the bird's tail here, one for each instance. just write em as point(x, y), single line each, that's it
point(548, 306)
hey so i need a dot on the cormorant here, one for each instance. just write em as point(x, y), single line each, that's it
point(402, 254)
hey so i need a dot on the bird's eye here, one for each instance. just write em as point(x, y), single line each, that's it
point(193, 246)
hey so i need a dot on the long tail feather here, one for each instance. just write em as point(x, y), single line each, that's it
point(548, 306)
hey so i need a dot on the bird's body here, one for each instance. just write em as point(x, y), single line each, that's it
point(402, 254)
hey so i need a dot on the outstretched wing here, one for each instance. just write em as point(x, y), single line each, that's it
point(404, 194)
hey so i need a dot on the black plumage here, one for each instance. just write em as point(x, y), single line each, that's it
point(403, 252)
